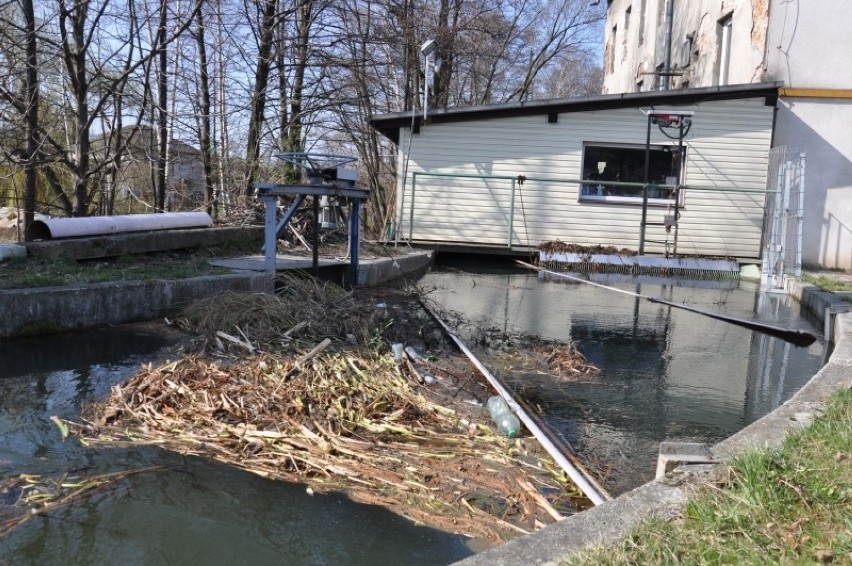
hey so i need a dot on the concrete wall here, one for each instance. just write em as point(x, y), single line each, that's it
point(820, 128)
point(809, 49)
point(114, 245)
point(54, 309)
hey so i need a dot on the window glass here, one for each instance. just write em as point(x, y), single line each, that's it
point(606, 165)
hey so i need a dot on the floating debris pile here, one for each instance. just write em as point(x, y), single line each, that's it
point(316, 397)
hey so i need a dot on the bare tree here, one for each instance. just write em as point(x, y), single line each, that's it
point(258, 101)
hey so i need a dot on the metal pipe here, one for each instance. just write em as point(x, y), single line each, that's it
point(800, 214)
point(647, 179)
point(667, 45)
point(52, 228)
point(587, 487)
point(581, 181)
point(512, 215)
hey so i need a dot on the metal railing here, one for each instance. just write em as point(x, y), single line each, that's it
point(515, 181)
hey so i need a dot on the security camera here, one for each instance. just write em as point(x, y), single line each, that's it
point(428, 47)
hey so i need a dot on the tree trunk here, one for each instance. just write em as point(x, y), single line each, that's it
point(204, 114)
point(162, 113)
point(258, 102)
point(31, 118)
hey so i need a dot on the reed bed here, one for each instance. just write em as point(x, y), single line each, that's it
point(347, 421)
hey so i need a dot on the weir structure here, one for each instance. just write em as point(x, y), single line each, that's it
point(329, 184)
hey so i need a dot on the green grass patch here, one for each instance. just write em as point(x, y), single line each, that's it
point(786, 506)
point(29, 273)
point(827, 283)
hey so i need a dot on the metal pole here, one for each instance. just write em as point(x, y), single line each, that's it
point(800, 214)
point(354, 238)
point(270, 237)
point(315, 265)
point(593, 492)
point(645, 187)
point(667, 45)
point(681, 163)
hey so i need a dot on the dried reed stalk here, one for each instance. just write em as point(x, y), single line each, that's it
point(347, 421)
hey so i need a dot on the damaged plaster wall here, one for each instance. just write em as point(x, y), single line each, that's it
point(696, 43)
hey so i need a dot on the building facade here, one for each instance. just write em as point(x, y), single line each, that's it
point(675, 44)
point(514, 176)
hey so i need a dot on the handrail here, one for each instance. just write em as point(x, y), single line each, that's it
point(516, 180)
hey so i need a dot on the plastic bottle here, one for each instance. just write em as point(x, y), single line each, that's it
point(506, 421)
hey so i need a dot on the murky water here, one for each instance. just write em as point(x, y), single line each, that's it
point(666, 374)
point(191, 512)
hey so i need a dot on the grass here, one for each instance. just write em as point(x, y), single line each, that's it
point(785, 506)
point(29, 273)
point(827, 283)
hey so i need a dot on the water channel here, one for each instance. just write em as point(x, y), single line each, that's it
point(665, 375)
point(191, 512)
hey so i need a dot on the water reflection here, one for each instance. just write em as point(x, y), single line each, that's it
point(192, 512)
point(667, 374)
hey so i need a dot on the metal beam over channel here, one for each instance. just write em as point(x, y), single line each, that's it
point(326, 181)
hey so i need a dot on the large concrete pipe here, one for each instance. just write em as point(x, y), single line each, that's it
point(101, 225)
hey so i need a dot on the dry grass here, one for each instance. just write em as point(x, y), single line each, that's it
point(305, 310)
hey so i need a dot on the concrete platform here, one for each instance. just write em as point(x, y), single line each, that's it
point(372, 270)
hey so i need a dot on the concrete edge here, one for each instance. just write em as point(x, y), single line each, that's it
point(372, 272)
point(612, 521)
point(56, 309)
point(113, 245)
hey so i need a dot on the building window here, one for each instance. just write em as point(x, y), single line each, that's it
point(627, 13)
point(724, 51)
point(605, 165)
point(642, 6)
point(614, 49)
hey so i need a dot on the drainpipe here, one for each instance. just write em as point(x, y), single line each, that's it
point(667, 45)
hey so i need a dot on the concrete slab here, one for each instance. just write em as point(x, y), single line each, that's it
point(674, 454)
point(8, 251)
point(282, 263)
point(372, 271)
point(114, 245)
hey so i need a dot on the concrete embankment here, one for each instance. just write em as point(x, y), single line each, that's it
point(611, 521)
point(54, 309)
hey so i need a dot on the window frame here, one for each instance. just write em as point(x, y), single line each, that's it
point(622, 199)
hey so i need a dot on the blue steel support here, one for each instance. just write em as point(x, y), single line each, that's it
point(270, 235)
point(297, 202)
point(354, 238)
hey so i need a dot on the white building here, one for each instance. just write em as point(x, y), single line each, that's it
point(513, 176)
point(803, 44)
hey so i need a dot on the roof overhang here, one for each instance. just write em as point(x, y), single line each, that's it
point(389, 125)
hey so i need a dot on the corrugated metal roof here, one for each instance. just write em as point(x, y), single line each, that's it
point(389, 124)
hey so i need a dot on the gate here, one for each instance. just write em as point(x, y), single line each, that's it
point(782, 222)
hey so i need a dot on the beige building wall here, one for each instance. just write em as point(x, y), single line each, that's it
point(810, 50)
point(458, 181)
